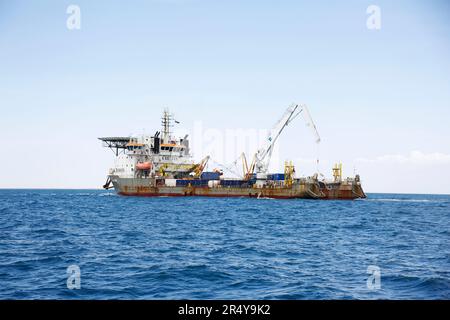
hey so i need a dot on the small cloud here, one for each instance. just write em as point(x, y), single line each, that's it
point(414, 157)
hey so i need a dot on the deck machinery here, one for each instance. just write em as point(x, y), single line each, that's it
point(162, 165)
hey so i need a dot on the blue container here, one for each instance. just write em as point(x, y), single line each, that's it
point(192, 182)
point(231, 183)
point(182, 183)
point(210, 176)
point(196, 182)
point(275, 176)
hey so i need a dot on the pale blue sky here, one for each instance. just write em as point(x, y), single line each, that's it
point(375, 95)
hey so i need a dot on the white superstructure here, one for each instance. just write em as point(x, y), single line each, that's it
point(146, 156)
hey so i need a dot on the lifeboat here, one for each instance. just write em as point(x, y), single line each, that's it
point(144, 166)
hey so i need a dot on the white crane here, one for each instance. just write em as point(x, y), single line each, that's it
point(263, 155)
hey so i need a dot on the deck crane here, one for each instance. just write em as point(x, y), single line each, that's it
point(247, 171)
point(262, 157)
point(197, 169)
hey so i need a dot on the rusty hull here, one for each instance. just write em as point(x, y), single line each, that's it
point(343, 190)
point(300, 190)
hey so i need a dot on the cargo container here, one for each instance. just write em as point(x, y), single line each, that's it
point(182, 183)
point(171, 183)
point(275, 176)
point(231, 183)
point(210, 176)
point(213, 183)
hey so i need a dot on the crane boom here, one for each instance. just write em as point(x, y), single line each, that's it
point(264, 154)
point(197, 170)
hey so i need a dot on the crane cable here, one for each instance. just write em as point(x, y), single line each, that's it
point(318, 161)
point(225, 167)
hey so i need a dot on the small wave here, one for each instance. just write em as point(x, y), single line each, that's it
point(107, 194)
point(402, 200)
point(3, 210)
point(436, 284)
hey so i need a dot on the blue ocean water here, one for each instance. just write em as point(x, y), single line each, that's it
point(208, 248)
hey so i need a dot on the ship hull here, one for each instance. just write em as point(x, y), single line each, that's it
point(342, 191)
point(308, 190)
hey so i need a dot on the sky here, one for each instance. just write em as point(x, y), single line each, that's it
point(380, 98)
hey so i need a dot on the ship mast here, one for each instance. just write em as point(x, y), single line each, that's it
point(166, 125)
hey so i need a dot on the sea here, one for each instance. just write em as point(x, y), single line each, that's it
point(94, 244)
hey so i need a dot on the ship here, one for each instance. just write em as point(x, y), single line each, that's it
point(161, 165)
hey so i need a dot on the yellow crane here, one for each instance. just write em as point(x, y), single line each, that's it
point(246, 170)
point(289, 171)
point(198, 168)
point(162, 170)
point(337, 172)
